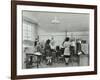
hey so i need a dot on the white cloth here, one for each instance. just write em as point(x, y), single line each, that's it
point(85, 48)
point(66, 59)
point(37, 53)
point(73, 43)
point(66, 46)
point(52, 44)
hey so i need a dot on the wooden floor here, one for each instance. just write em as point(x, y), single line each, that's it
point(82, 60)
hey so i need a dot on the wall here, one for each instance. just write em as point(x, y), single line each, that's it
point(31, 30)
point(59, 37)
point(5, 41)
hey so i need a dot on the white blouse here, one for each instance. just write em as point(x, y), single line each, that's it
point(66, 46)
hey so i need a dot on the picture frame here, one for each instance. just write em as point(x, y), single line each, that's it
point(15, 14)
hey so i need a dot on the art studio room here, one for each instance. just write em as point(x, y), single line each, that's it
point(54, 39)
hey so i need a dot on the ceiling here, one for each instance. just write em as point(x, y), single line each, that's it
point(67, 21)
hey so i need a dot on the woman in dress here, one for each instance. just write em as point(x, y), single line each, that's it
point(48, 52)
point(66, 50)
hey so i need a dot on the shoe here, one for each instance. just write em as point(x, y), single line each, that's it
point(66, 63)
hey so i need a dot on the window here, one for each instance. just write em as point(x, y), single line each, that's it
point(28, 31)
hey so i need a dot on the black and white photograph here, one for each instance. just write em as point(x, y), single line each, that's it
point(55, 39)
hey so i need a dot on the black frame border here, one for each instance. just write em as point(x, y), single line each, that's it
point(14, 4)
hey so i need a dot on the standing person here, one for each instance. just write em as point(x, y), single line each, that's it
point(48, 52)
point(78, 47)
point(66, 50)
point(78, 50)
point(36, 41)
point(52, 41)
point(53, 51)
point(52, 44)
point(72, 47)
point(72, 50)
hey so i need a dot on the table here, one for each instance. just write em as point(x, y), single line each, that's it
point(37, 54)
